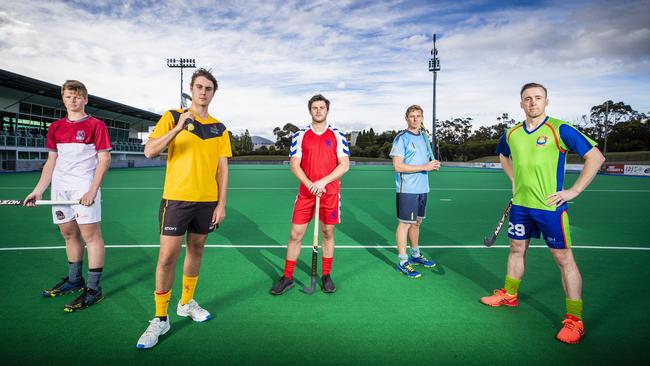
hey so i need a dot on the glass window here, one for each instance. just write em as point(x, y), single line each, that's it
point(24, 108)
point(37, 110)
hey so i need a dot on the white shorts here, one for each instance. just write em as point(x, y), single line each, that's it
point(83, 214)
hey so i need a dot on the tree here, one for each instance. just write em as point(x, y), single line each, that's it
point(245, 143)
point(283, 136)
point(606, 116)
point(455, 131)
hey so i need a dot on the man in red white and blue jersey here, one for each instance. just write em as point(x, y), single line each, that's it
point(78, 157)
point(319, 157)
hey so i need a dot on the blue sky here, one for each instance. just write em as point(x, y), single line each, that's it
point(369, 58)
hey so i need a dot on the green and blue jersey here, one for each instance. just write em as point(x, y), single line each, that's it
point(539, 158)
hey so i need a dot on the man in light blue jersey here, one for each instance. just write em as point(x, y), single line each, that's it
point(412, 159)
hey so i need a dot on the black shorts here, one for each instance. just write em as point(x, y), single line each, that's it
point(411, 207)
point(177, 217)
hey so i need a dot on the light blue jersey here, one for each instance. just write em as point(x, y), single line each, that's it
point(413, 148)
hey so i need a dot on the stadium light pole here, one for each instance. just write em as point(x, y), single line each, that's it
point(434, 67)
point(181, 63)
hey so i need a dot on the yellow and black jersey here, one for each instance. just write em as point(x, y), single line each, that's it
point(193, 157)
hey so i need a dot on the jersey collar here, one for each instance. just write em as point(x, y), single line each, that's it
point(536, 128)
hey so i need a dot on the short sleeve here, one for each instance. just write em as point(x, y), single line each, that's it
point(398, 147)
point(164, 125)
point(575, 140)
point(50, 141)
point(295, 151)
point(102, 139)
point(342, 147)
point(225, 149)
point(502, 147)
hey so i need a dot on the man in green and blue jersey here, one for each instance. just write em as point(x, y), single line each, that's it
point(533, 155)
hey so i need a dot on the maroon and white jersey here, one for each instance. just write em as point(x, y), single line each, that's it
point(319, 153)
point(77, 144)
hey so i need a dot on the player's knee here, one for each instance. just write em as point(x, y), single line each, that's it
point(517, 246)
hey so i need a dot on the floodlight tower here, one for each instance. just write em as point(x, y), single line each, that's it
point(434, 67)
point(181, 63)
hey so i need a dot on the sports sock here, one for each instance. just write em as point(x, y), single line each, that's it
point(162, 303)
point(94, 276)
point(189, 285)
point(289, 266)
point(403, 258)
point(512, 285)
point(327, 265)
point(415, 252)
point(74, 271)
point(574, 307)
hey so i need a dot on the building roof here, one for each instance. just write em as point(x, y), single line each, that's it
point(26, 84)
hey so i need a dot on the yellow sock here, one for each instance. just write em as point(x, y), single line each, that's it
point(189, 285)
point(162, 302)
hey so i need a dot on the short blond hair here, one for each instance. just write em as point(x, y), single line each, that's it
point(75, 86)
point(412, 108)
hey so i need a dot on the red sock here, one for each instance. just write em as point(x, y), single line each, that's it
point(289, 266)
point(327, 265)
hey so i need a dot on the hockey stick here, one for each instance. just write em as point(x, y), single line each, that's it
point(314, 254)
point(489, 241)
point(428, 143)
point(37, 202)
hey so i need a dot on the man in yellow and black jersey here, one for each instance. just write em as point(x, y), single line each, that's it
point(194, 198)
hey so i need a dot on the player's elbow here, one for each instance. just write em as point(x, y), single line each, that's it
point(149, 153)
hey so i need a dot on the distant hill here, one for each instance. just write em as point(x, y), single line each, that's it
point(259, 140)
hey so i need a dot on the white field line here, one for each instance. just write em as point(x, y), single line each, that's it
point(272, 246)
point(357, 189)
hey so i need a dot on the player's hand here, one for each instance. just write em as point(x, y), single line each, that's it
point(218, 215)
point(181, 120)
point(88, 198)
point(558, 198)
point(318, 188)
point(433, 165)
point(30, 200)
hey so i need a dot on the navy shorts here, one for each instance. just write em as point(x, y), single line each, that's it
point(411, 207)
point(530, 222)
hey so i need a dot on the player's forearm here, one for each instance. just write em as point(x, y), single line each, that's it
point(594, 159)
point(155, 146)
point(297, 171)
point(222, 180)
point(103, 164)
point(406, 168)
point(46, 176)
point(341, 168)
point(506, 164)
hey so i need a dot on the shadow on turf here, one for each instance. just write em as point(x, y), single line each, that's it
point(362, 234)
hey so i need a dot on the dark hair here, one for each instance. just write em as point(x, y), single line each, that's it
point(317, 98)
point(412, 108)
point(206, 74)
point(532, 85)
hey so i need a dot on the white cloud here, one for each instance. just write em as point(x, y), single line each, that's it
point(370, 58)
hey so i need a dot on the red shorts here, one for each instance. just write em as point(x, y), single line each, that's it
point(330, 209)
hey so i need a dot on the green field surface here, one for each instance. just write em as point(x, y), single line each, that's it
point(376, 317)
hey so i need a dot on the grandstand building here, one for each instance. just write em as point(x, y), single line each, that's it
point(28, 107)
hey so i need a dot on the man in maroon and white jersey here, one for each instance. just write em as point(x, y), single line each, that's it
point(78, 158)
point(320, 155)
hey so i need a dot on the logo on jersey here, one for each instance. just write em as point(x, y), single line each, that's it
point(328, 143)
point(541, 141)
point(81, 135)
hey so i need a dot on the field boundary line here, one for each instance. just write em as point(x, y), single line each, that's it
point(342, 247)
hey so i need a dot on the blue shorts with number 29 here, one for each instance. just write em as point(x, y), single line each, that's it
point(530, 222)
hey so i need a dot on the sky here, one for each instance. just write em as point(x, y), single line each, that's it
point(370, 58)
